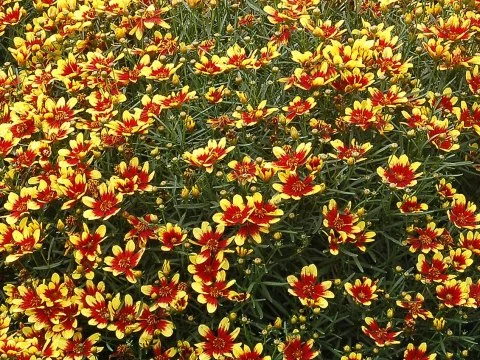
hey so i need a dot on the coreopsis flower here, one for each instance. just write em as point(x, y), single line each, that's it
point(211, 241)
point(473, 293)
point(362, 291)
point(209, 294)
point(473, 80)
point(170, 236)
point(242, 171)
point(124, 261)
point(410, 205)
point(134, 177)
point(452, 293)
point(414, 306)
point(351, 154)
point(354, 80)
point(246, 353)
point(97, 310)
point(59, 112)
point(153, 322)
point(213, 66)
point(394, 97)
point(441, 136)
point(417, 118)
point(217, 345)
point(162, 354)
point(73, 188)
point(445, 190)
point(264, 213)
point(425, 239)
point(19, 205)
point(215, 95)
point(105, 205)
point(471, 241)
point(124, 319)
point(87, 244)
point(78, 348)
point(310, 292)
point(343, 222)
point(296, 349)
point(400, 173)
point(417, 353)
point(234, 213)
point(207, 157)
point(462, 213)
point(205, 269)
point(460, 259)
point(144, 228)
point(382, 336)
point(292, 186)
point(435, 270)
point(289, 159)
point(361, 238)
point(363, 114)
point(298, 107)
point(252, 116)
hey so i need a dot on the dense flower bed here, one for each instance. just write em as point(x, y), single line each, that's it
point(239, 179)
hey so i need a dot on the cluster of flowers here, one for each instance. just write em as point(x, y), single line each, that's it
point(194, 179)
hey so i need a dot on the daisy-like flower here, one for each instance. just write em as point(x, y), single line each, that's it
point(415, 306)
point(252, 116)
point(246, 353)
point(452, 293)
point(462, 213)
point(289, 159)
point(341, 222)
point(435, 270)
point(78, 348)
point(382, 336)
point(294, 187)
point(153, 322)
point(170, 236)
point(362, 291)
point(19, 205)
point(166, 290)
point(445, 190)
point(210, 293)
point(400, 173)
point(473, 293)
point(471, 241)
point(413, 352)
point(298, 107)
point(351, 154)
point(310, 292)
point(124, 261)
point(217, 345)
point(234, 213)
point(363, 114)
point(208, 156)
point(425, 239)
point(242, 171)
point(410, 205)
point(296, 349)
point(105, 205)
point(460, 259)
point(124, 316)
point(211, 241)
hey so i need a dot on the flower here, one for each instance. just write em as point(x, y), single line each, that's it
point(435, 271)
point(105, 206)
point(417, 353)
point(125, 312)
point(462, 213)
point(207, 157)
point(246, 353)
point(76, 348)
point(410, 205)
point(452, 293)
point(426, 239)
point(209, 293)
point(294, 187)
point(123, 261)
point(289, 159)
point(217, 345)
point(382, 336)
point(170, 236)
point(362, 291)
point(308, 290)
point(295, 349)
point(415, 306)
point(400, 173)
point(243, 171)
point(351, 154)
point(342, 223)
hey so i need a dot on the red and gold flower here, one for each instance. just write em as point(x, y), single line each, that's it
point(462, 213)
point(452, 293)
point(289, 159)
point(105, 205)
point(217, 345)
point(310, 292)
point(362, 291)
point(400, 173)
point(382, 336)
point(124, 261)
point(294, 187)
point(296, 349)
point(417, 353)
